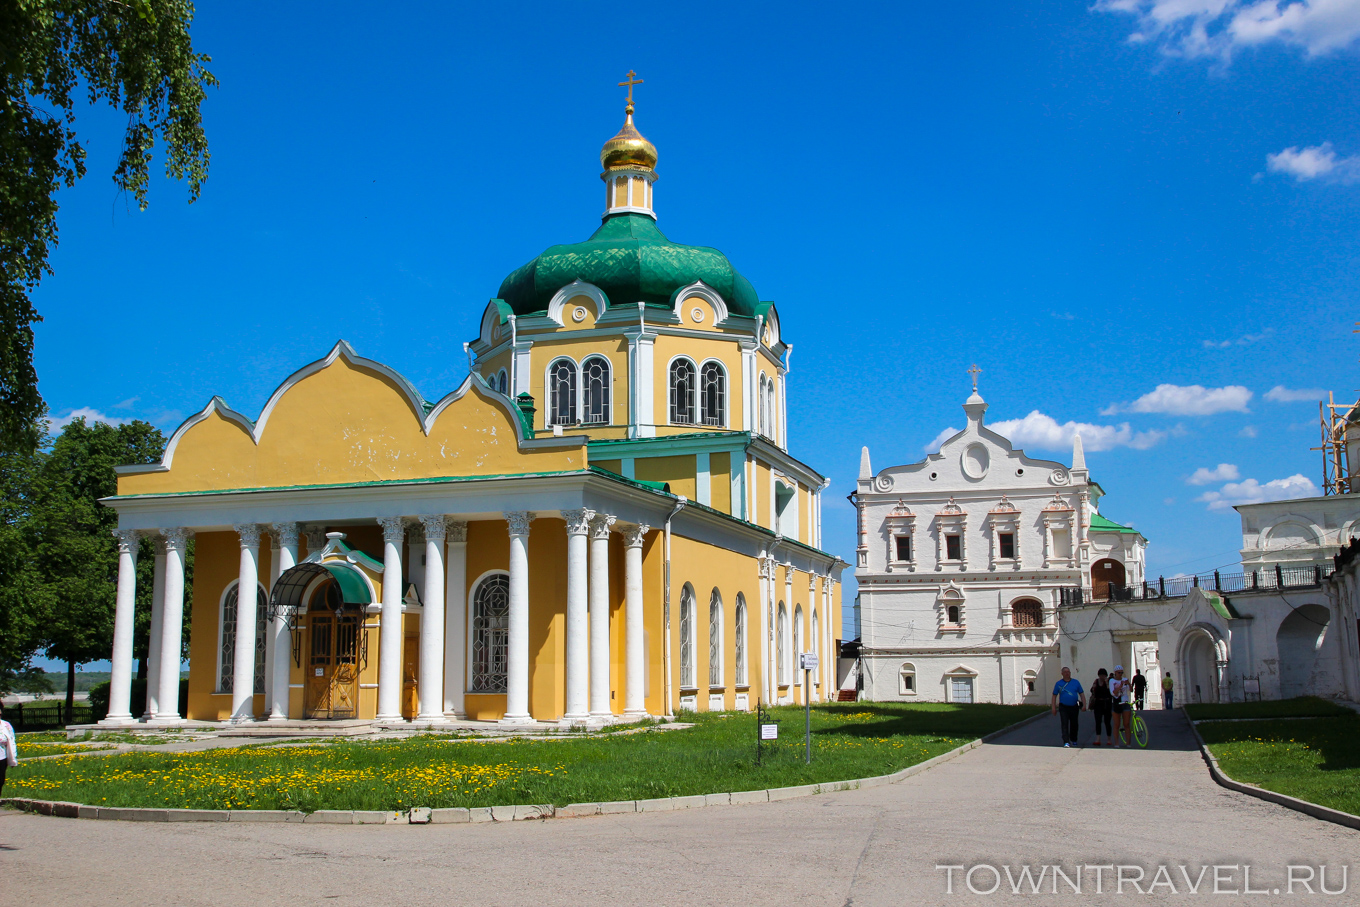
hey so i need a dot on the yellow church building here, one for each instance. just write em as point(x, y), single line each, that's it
point(602, 523)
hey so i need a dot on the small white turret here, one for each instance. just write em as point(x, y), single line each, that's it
point(1078, 455)
point(865, 472)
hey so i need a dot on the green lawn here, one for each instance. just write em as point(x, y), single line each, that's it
point(1317, 760)
point(850, 740)
point(1303, 707)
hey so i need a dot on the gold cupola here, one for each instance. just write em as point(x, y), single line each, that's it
point(629, 162)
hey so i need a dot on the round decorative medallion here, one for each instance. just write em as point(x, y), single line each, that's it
point(578, 314)
point(697, 314)
point(883, 483)
point(975, 460)
point(1058, 477)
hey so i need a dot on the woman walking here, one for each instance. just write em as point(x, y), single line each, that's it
point(1101, 706)
point(1123, 715)
point(9, 749)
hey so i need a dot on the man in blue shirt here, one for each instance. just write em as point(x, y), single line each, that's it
point(1069, 699)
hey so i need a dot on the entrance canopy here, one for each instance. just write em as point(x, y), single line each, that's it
point(292, 583)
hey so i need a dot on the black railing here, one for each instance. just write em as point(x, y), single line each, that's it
point(1179, 586)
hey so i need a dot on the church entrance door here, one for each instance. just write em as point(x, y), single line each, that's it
point(333, 665)
point(1106, 573)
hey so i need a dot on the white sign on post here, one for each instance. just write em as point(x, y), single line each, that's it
point(769, 732)
point(807, 661)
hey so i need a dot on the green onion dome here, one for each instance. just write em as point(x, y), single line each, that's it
point(631, 261)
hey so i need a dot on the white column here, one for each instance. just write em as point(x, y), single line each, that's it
point(391, 632)
point(635, 662)
point(766, 587)
point(430, 686)
point(286, 536)
point(124, 619)
point(601, 704)
point(455, 620)
point(172, 625)
point(243, 665)
point(517, 656)
point(153, 636)
point(578, 640)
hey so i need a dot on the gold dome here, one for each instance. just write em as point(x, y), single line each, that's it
point(628, 148)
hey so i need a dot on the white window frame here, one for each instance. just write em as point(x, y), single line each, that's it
point(781, 645)
point(726, 393)
point(261, 635)
point(715, 640)
point(688, 677)
point(908, 669)
point(472, 635)
point(608, 390)
point(549, 391)
point(693, 395)
point(797, 642)
point(741, 633)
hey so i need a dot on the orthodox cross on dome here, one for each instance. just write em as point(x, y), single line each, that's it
point(630, 83)
point(974, 371)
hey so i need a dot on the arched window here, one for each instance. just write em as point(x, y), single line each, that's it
point(687, 680)
point(1027, 613)
point(715, 646)
point(595, 381)
point(906, 679)
point(816, 633)
point(781, 645)
point(1028, 683)
point(562, 392)
point(797, 643)
point(762, 409)
point(713, 394)
point(491, 634)
point(769, 411)
point(739, 630)
point(953, 614)
point(227, 649)
point(682, 392)
point(502, 382)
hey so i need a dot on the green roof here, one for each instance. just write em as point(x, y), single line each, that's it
point(1100, 524)
point(631, 261)
point(1221, 605)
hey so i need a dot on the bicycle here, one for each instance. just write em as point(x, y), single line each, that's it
point(1140, 730)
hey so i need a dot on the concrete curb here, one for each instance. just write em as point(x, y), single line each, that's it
point(513, 813)
point(1324, 813)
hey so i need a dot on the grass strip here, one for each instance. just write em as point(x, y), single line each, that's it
point(1315, 760)
point(1303, 707)
point(849, 740)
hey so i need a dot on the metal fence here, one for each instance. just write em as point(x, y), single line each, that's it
point(46, 713)
point(1180, 586)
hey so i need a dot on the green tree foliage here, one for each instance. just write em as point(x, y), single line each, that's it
point(132, 54)
point(69, 535)
point(19, 627)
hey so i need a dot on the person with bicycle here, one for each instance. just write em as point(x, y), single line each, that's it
point(1123, 714)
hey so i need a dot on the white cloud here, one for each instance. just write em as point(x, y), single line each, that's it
point(1282, 394)
point(1315, 162)
point(1223, 472)
point(1248, 431)
point(91, 416)
point(126, 404)
point(940, 439)
point(1244, 340)
point(1253, 492)
point(1038, 430)
point(1190, 400)
point(1219, 28)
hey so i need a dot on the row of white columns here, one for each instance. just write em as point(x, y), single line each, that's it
point(167, 622)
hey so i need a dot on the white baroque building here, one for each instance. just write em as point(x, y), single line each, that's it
point(1303, 532)
point(961, 560)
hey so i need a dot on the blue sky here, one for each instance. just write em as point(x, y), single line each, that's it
point(1135, 219)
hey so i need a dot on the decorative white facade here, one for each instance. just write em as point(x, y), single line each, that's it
point(1298, 533)
point(961, 559)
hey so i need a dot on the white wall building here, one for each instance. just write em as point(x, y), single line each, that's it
point(1298, 533)
point(961, 558)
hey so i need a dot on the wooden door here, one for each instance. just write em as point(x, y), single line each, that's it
point(410, 694)
point(332, 684)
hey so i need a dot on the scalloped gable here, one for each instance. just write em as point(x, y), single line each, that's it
point(348, 420)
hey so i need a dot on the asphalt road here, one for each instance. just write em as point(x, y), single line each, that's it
point(1021, 800)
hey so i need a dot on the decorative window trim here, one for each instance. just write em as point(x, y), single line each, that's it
point(907, 670)
point(582, 407)
point(951, 521)
point(725, 392)
point(781, 645)
point(741, 634)
point(797, 643)
point(557, 305)
point(693, 392)
point(1029, 683)
point(1003, 519)
point(901, 523)
point(1010, 614)
point(549, 392)
point(949, 595)
point(716, 649)
point(688, 673)
point(224, 684)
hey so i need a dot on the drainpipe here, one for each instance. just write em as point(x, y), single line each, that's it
point(513, 358)
point(666, 648)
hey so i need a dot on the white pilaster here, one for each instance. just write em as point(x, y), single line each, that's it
point(601, 706)
point(578, 640)
point(703, 481)
point(153, 636)
point(764, 629)
point(646, 384)
point(285, 537)
point(391, 631)
point(124, 619)
point(635, 669)
point(517, 654)
point(247, 586)
point(430, 685)
point(172, 625)
point(455, 620)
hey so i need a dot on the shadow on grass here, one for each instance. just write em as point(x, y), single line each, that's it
point(1334, 738)
point(916, 719)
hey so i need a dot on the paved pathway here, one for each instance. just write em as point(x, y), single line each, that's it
point(1018, 800)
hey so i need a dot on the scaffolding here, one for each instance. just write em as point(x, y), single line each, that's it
point(1340, 430)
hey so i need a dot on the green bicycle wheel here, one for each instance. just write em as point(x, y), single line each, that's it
point(1140, 730)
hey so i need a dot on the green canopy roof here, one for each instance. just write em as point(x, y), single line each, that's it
point(631, 261)
point(1100, 524)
